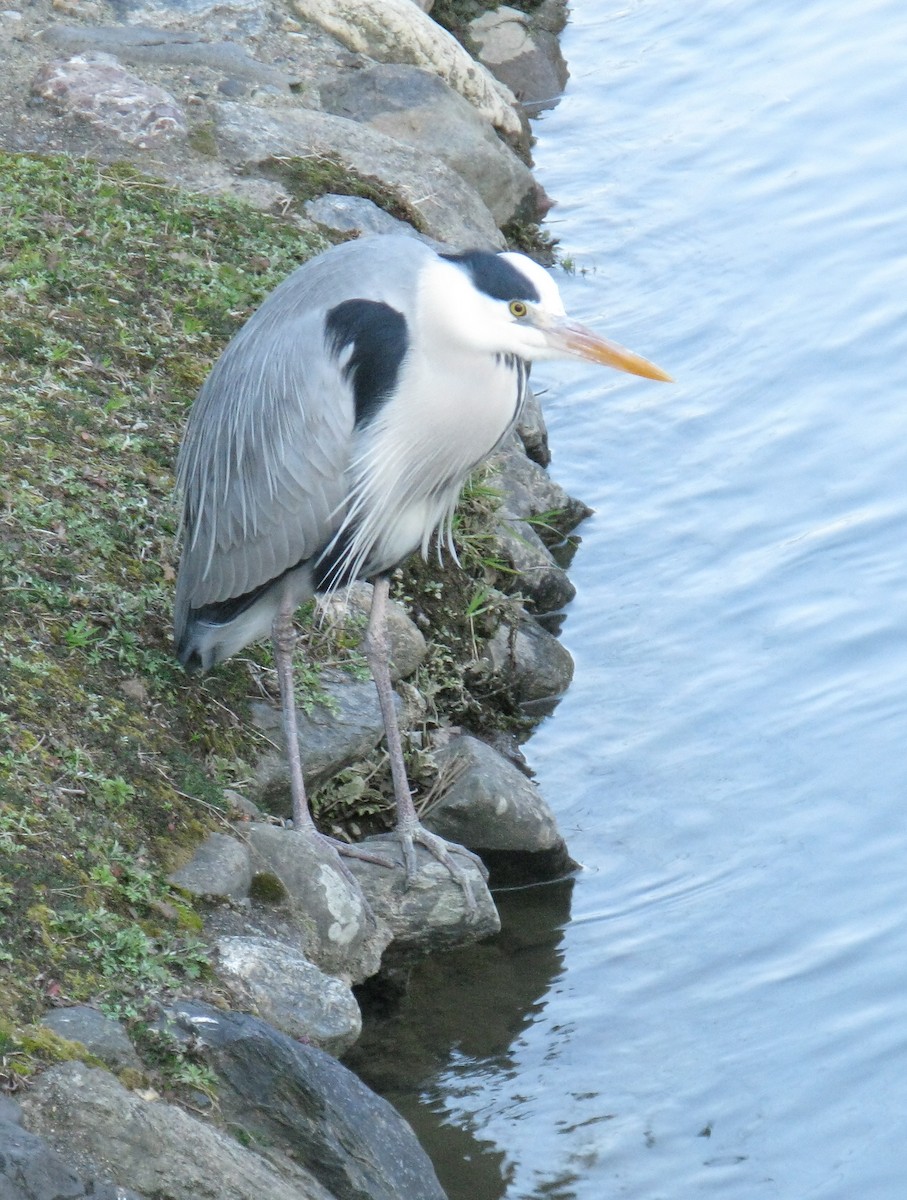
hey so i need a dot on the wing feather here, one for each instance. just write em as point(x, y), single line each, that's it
point(265, 462)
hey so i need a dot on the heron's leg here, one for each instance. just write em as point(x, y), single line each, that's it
point(409, 829)
point(283, 634)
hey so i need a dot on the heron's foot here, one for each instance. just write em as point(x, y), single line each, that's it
point(411, 836)
point(351, 850)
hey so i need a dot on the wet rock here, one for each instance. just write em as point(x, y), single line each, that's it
point(136, 44)
point(418, 108)
point(397, 31)
point(31, 1170)
point(158, 1148)
point(489, 803)
point(281, 1092)
point(431, 914)
point(337, 929)
point(528, 60)
point(407, 642)
point(103, 1037)
point(257, 139)
point(98, 89)
point(344, 729)
point(289, 992)
point(220, 869)
point(535, 665)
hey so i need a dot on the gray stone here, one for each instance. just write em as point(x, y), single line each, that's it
point(534, 664)
point(337, 929)
point(98, 89)
point(431, 914)
point(490, 804)
point(31, 1170)
point(248, 15)
point(450, 210)
point(528, 60)
point(533, 432)
point(332, 736)
point(157, 1147)
point(543, 584)
point(418, 108)
point(105, 1038)
point(529, 491)
point(290, 992)
point(396, 31)
point(220, 869)
point(143, 44)
point(407, 642)
point(282, 1092)
point(356, 214)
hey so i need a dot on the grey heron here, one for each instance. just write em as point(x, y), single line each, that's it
point(332, 438)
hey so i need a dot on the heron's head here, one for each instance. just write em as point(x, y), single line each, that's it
point(508, 304)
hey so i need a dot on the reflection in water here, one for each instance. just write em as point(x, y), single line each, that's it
point(457, 1024)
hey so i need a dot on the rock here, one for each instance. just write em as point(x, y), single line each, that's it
point(355, 214)
point(103, 1037)
point(533, 432)
point(535, 665)
point(396, 31)
point(490, 804)
point(31, 1170)
point(248, 15)
point(256, 139)
point(281, 1092)
point(337, 930)
point(431, 914)
point(529, 491)
point(528, 61)
point(156, 1147)
point(341, 731)
point(418, 108)
point(220, 869)
point(143, 44)
point(289, 992)
point(407, 642)
point(545, 586)
point(97, 88)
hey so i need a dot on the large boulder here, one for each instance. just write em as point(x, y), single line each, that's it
point(418, 108)
point(397, 31)
point(283, 1093)
point(30, 1169)
point(157, 1148)
point(258, 140)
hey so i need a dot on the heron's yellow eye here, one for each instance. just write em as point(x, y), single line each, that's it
point(518, 308)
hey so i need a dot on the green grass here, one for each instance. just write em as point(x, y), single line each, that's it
point(116, 295)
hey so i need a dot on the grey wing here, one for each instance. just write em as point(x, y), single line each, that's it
point(262, 469)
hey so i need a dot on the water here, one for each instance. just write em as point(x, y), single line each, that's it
point(718, 1005)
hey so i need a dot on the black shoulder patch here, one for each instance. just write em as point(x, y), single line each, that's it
point(378, 336)
point(495, 276)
